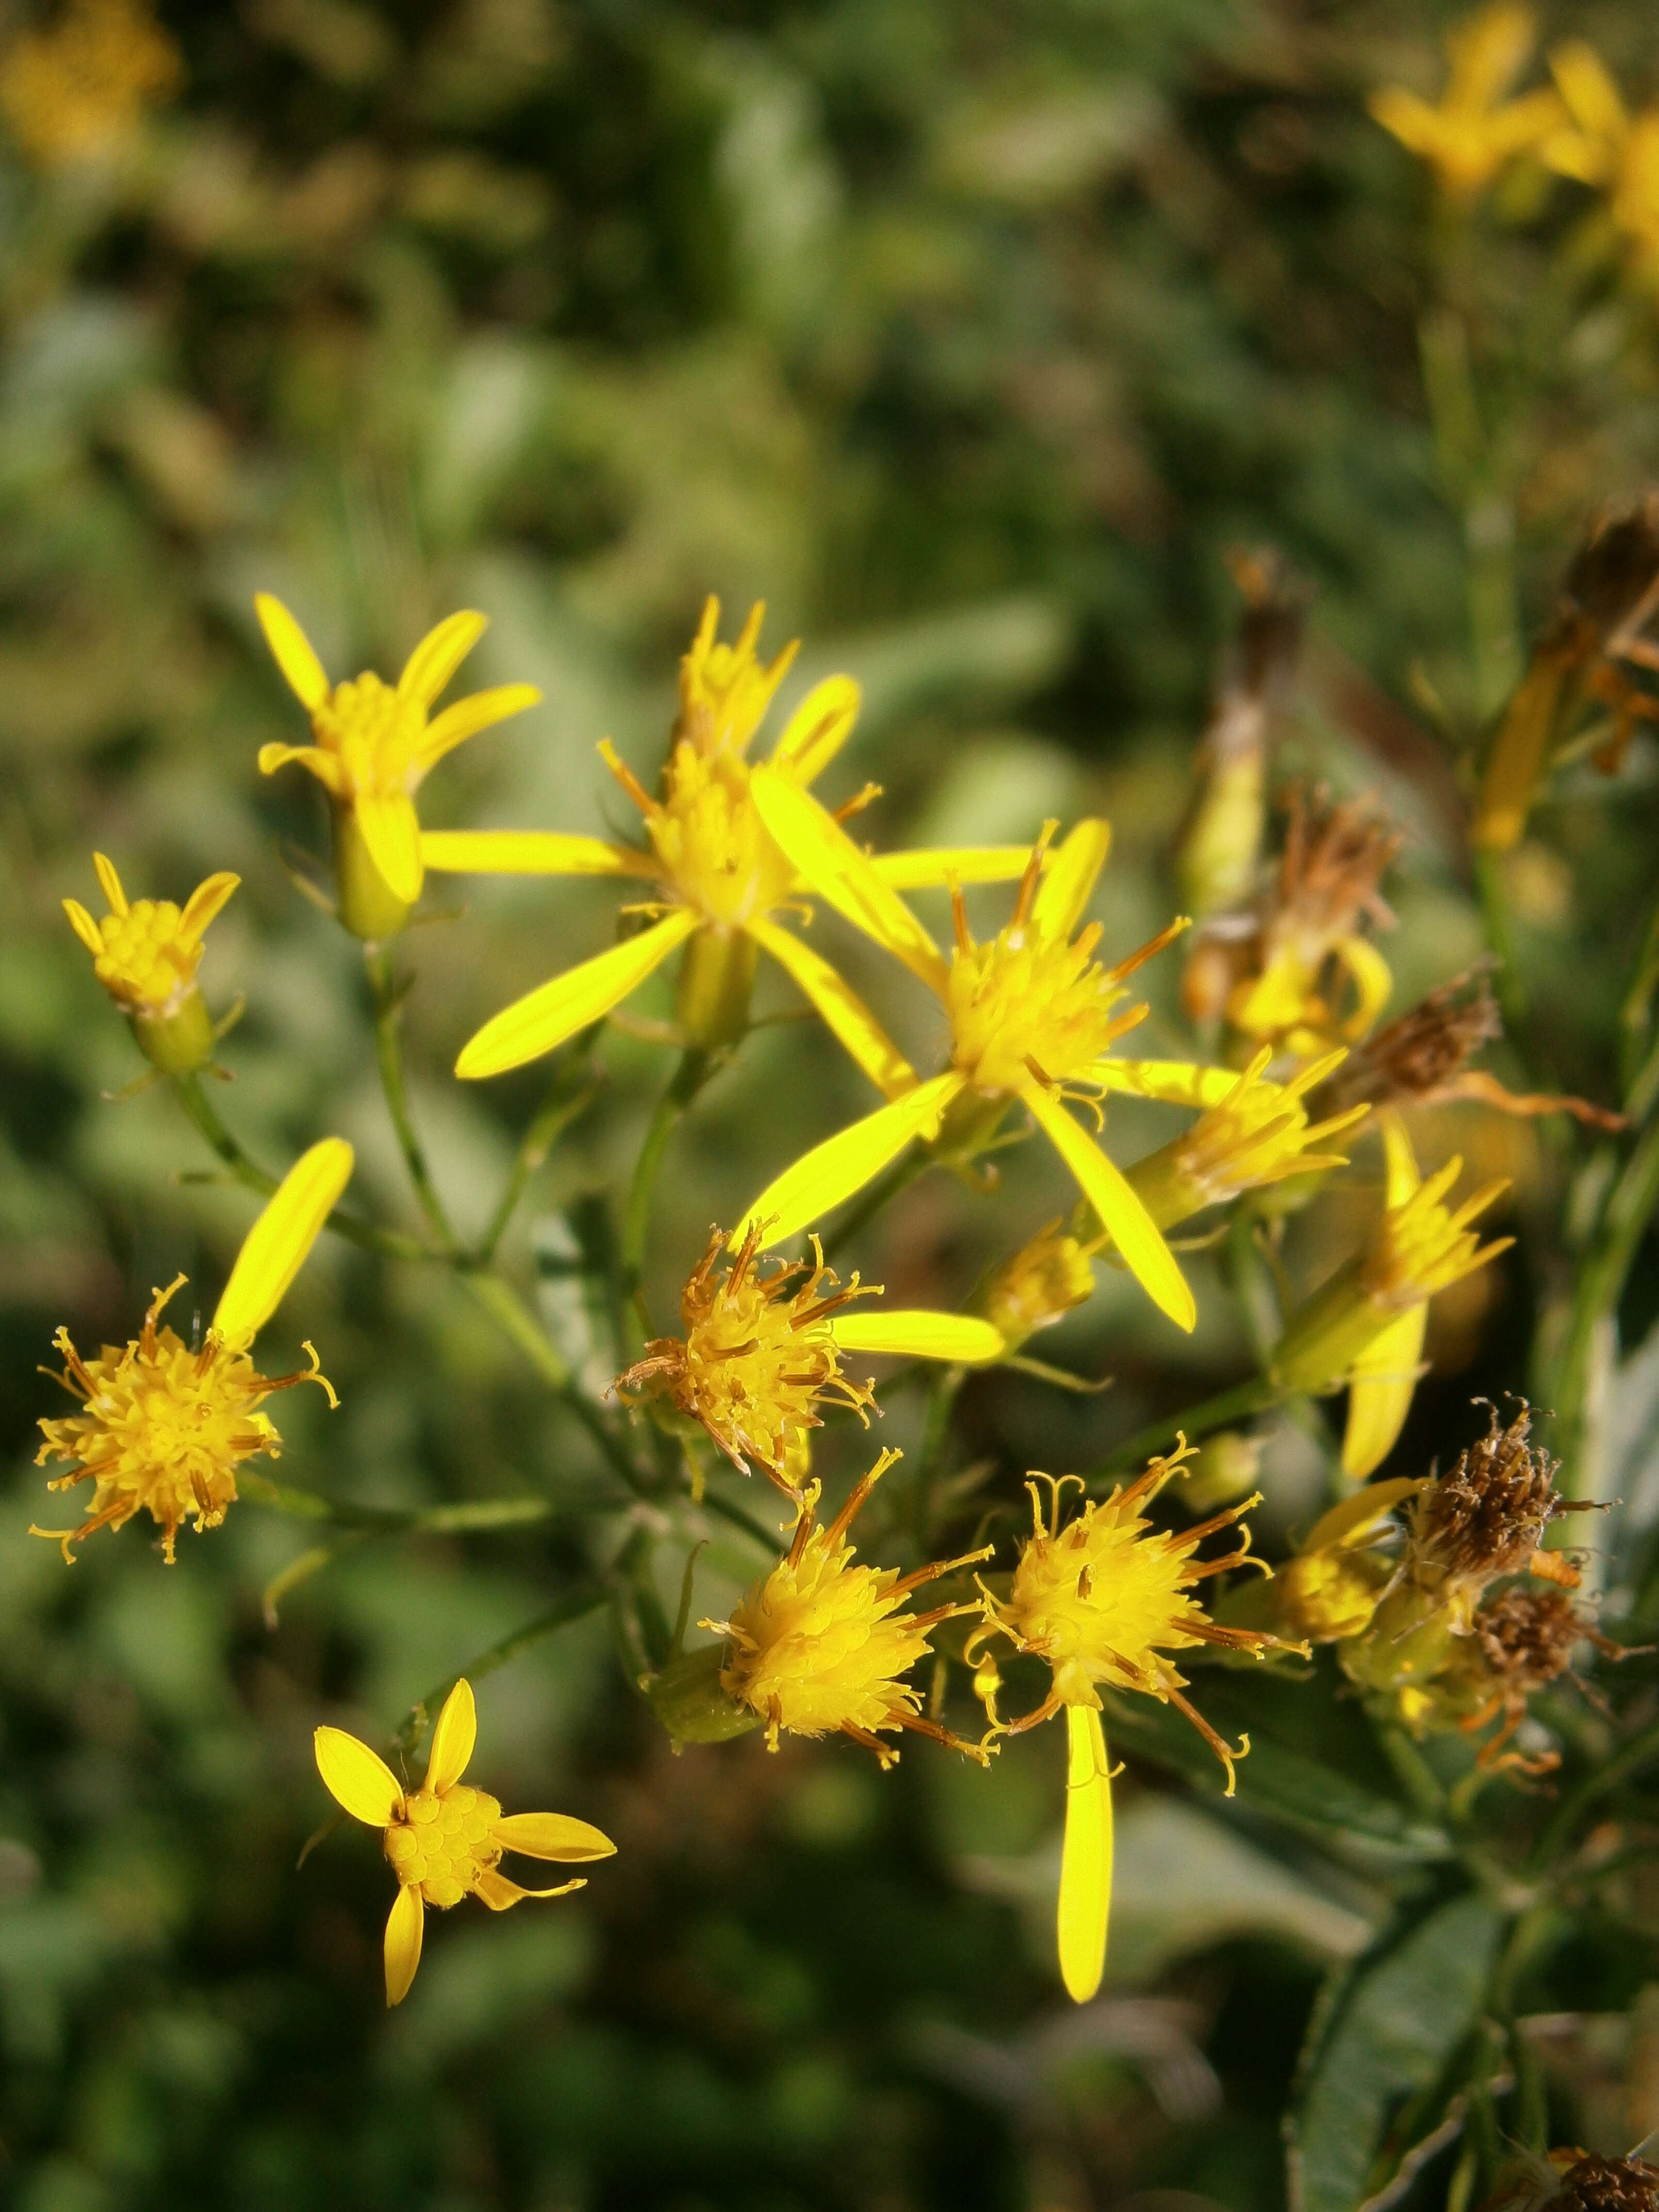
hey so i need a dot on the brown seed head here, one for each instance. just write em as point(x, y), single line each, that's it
point(1486, 1516)
point(1416, 1056)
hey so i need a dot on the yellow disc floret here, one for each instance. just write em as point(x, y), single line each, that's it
point(757, 1358)
point(164, 1428)
point(820, 1644)
point(441, 1845)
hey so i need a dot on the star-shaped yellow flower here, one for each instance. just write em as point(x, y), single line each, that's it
point(145, 953)
point(374, 748)
point(1605, 146)
point(1474, 131)
point(444, 1840)
point(719, 875)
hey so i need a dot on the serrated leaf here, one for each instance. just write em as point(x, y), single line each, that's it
point(1398, 2021)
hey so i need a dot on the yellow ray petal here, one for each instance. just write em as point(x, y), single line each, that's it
point(292, 647)
point(364, 1784)
point(833, 1170)
point(83, 925)
point(546, 1017)
point(1381, 1383)
point(438, 654)
point(552, 1836)
point(1402, 1174)
point(204, 901)
point(1085, 1861)
point(528, 852)
point(1069, 879)
point(962, 1339)
point(453, 1739)
point(274, 1250)
point(405, 1927)
point(1177, 1082)
point(817, 729)
point(325, 766)
point(501, 1895)
point(932, 868)
point(844, 1012)
point(109, 883)
point(468, 716)
point(1592, 97)
point(1373, 980)
point(834, 867)
point(1144, 1251)
point(392, 831)
point(1353, 1522)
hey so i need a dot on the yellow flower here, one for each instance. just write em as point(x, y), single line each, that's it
point(1328, 1592)
point(146, 955)
point(374, 748)
point(819, 1645)
point(1047, 1278)
point(1032, 1015)
point(1475, 132)
point(78, 90)
point(1103, 1600)
point(762, 1351)
point(1365, 1327)
point(1605, 146)
point(719, 875)
point(1252, 1133)
point(165, 1425)
point(444, 1840)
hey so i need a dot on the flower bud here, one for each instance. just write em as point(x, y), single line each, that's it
point(1040, 1284)
point(686, 1697)
point(366, 903)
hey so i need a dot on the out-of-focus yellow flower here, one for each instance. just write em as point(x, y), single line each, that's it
point(719, 873)
point(165, 1425)
point(444, 1840)
point(79, 90)
point(1601, 144)
point(1473, 131)
point(1032, 1015)
point(1251, 1132)
point(763, 1350)
point(1103, 1599)
point(820, 1645)
point(374, 748)
point(1365, 1327)
point(145, 953)
point(1329, 1591)
point(1297, 974)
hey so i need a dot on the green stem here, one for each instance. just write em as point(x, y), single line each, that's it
point(887, 1186)
point(586, 1598)
point(389, 1056)
point(693, 1072)
point(1238, 1404)
point(1599, 1287)
point(1488, 867)
point(502, 1303)
point(935, 1437)
point(391, 1520)
point(1414, 1773)
point(566, 1103)
point(389, 1243)
point(1638, 1056)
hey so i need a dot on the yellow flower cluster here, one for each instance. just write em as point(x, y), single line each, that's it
point(78, 91)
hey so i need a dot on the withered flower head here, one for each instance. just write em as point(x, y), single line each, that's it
point(1573, 2180)
point(1420, 1059)
point(1612, 583)
point(1487, 1514)
point(758, 1356)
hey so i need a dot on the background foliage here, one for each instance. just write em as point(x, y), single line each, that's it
point(969, 338)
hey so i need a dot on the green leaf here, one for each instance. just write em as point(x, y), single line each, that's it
point(1389, 2037)
point(1277, 1780)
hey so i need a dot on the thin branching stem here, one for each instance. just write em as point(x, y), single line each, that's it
point(389, 1057)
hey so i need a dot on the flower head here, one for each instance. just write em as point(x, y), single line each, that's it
point(1474, 131)
point(1255, 1133)
point(78, 90)
point(444, 1840)
point(1329, 1590)
point(1032, 1014)
point(373, 746)
point(720, 876)
point(1049, 1276)
point(1365, 1327)
point(1521, 1639)
point(1297, 974)
point(1486, 1516)
point(1103, 1599)
point(1573, 2180)
point(821, 1645)
point(145, 953)
point(164, 1425)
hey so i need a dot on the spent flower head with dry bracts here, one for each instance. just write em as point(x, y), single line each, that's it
point(445, 1840)
point(165, 1425)
point(1032, 1016)
point(1366, 1326)
point(78, 91)
point(1521, 1639)
point(764, 1348)
point(373, 746)
point(1103, 1599)
point(719, 876)
point(145, 952)
point(1569, 2179)
point(821, 1646)
point(1474, 132)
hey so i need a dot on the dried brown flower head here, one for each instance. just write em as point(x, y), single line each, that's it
point(1574, 2180)
point(1487, 1514)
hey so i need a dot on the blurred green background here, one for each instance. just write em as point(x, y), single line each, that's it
point(970, 337)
